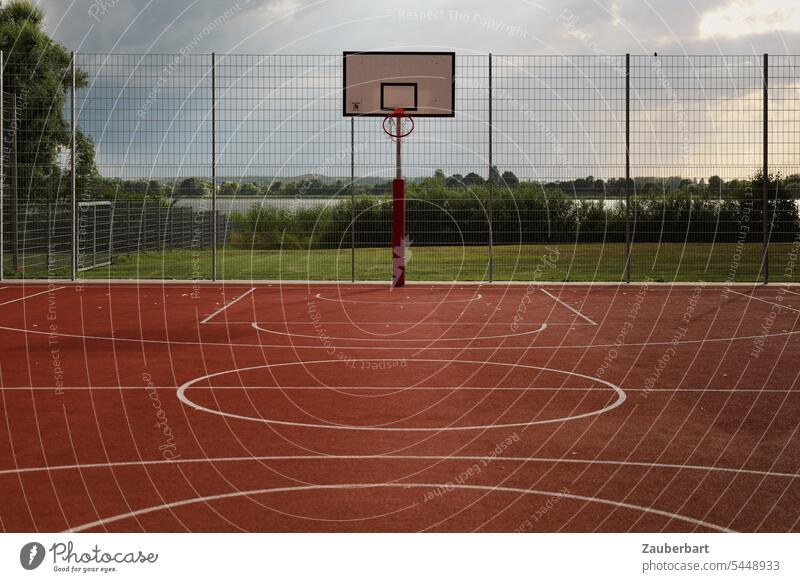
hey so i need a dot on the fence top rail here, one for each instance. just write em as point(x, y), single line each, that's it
point(472, 54)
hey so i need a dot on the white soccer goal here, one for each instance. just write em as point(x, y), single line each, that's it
point(94, 234)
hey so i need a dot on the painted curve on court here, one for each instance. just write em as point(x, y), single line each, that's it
point(357, 486)
point(186, 386)
point(542, 327)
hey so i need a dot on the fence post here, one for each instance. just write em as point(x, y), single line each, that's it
point(14, 190)
point(147, 220)
point(47, 239)
point(94, 235)
point(127, 223)
point(352, 200)
point(765, 177)
point(73, 184)
point(185, 241)
point(2, 168)
point(628, 242)
point(213, 166)
point(491, 180)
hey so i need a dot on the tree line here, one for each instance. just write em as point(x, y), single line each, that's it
point(438, 214)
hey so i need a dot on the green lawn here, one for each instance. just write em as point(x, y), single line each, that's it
point(581, 262)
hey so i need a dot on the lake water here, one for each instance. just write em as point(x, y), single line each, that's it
point(227, 205)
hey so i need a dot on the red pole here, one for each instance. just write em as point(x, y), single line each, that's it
point(398, 232)
point(398, 216)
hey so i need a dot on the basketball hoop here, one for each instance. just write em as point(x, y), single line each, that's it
point(393, 124)
point(389, 84)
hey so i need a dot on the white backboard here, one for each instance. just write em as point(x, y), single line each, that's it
point(422, 83)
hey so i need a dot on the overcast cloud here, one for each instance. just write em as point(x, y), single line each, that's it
point(499, 26)
point(688, 120)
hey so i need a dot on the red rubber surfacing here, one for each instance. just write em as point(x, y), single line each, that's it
point(437, 408)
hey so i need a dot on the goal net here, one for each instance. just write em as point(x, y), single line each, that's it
point(94, 234)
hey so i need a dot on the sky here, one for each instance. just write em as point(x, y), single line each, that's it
point(693, 118)
point(466, 26)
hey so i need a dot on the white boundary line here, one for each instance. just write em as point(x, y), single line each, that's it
point(419, 389)
point(226, 305)
point(405, 323)
point(279, 458)
point(399, 485)
point(389, 338)
point(440, 348)
point(572, 309)
point(387, 283)
point(23, 298)
point(411, 302)
point(764, 301)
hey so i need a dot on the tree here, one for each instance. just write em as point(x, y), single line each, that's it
point(228, 189)
point(472, 179)
point(510, 179)
point(455, 181)
point(599, 188)
point(583, 186)
point(85, 169)
point(250, 189)
point(191, 187)
point(494, 174)
point(783, 213)
point(715, 185)
point(37, 78)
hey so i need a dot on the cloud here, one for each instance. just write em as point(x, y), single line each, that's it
point(751, 17)
point(176, 106)
point(466, 26)
point(281, 8)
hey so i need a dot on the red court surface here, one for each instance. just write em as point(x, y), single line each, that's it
point(168, 407)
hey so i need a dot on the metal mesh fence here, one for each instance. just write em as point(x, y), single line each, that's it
point(37, 221)
point(243, 167)
point(94, 235)
point(284, 163)
point(696, 137)
point(149, 119)
point(560, 132)
point(784, 167)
